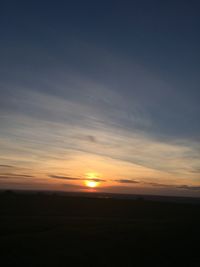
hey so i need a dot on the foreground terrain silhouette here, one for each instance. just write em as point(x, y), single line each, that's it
point(58, 230)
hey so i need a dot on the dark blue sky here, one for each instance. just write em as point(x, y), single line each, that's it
point(121, 69)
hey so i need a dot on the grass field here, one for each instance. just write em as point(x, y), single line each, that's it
point(55, 230)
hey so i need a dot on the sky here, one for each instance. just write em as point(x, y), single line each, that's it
point(100, 93)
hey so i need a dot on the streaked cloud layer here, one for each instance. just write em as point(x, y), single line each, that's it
point(80, 105)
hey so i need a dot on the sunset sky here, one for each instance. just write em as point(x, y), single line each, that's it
point(100, 96)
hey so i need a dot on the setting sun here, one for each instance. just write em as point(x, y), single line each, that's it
point(92, 179)
point(91, 184)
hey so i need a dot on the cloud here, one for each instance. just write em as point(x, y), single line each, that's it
point(91, 138)
point(90, 127)
point(169, 186)
point(76, 179)
point(6, 166)
point(96, 180)
point(53, 114)
point(158, 184)
point(184, 187)
point(187, 187)
point(14, 175)
point(127, 181)
point(196, 170)
point(63, 177)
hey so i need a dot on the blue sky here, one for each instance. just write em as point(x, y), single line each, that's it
point(108, 87)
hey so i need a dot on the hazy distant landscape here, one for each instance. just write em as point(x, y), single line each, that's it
point(40, 229)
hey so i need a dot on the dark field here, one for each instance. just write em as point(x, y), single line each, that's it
point(56, 230)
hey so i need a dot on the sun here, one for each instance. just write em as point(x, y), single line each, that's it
point(92, 179)
point(91, 184)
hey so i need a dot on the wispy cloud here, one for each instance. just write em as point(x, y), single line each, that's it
point(74, 117)
point(14, 175)
point(126, 181)
point(63, 177)
point(187, 187)
point(76, 179)
point(172, 186)
point(6, 166)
